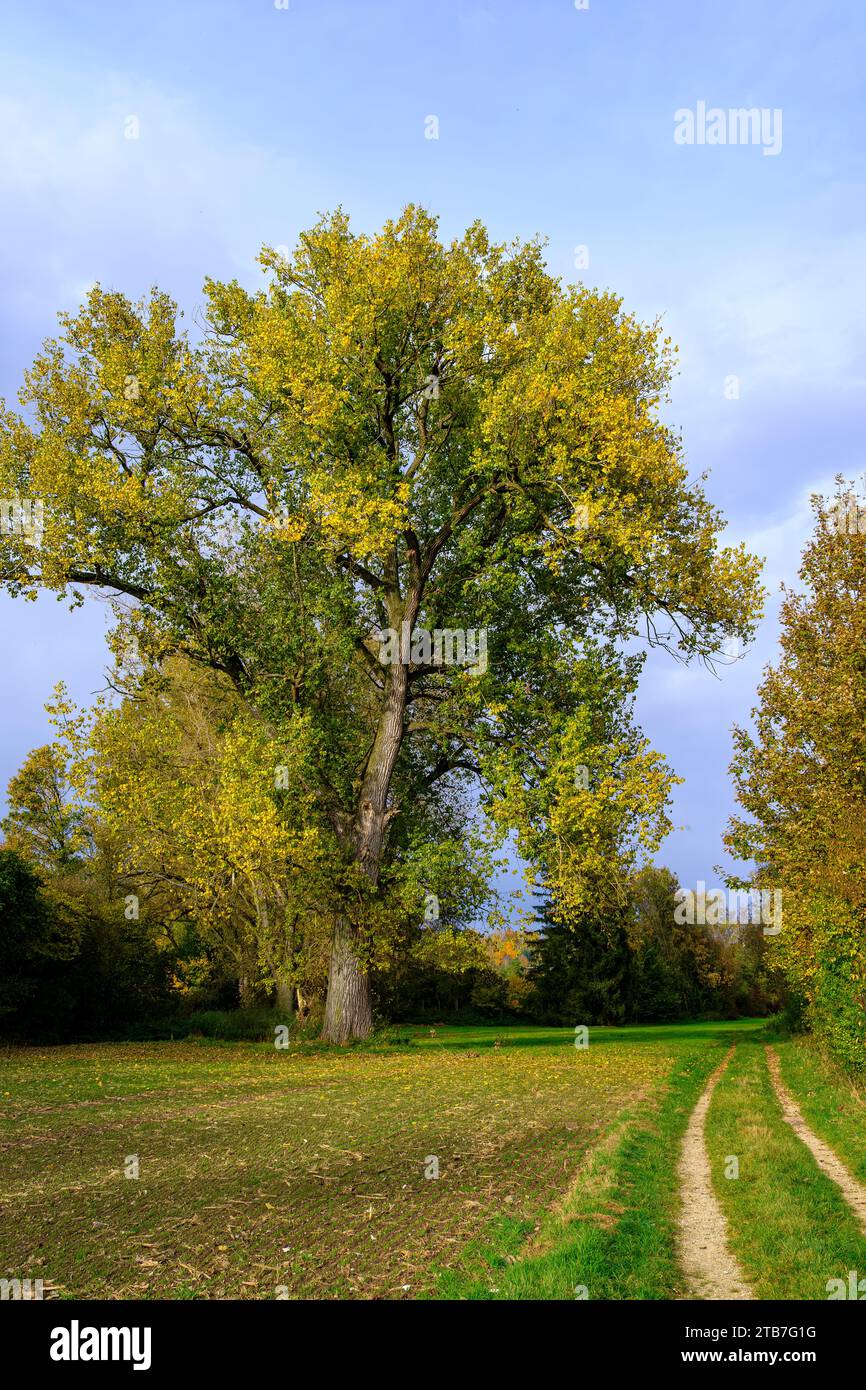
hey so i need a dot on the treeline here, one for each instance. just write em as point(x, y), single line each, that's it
point(71, 967)
point(640, 965)
point(77, 964)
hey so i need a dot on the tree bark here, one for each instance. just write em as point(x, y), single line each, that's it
point(349, 1007)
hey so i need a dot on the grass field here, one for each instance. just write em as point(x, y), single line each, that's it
point(302, 1173)
point(789, 1224)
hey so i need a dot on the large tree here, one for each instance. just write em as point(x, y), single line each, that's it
point(800, 777)
point(394, 435)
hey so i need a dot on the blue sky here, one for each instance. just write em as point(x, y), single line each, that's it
point(552, 120)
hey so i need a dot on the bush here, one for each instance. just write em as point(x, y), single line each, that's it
point(836, 1012)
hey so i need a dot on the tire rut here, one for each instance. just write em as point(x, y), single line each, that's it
point(852, 1190)
point(712, 1272)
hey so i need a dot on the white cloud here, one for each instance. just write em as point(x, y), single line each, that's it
point(84, 202)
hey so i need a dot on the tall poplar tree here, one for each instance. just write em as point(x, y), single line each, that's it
point(395, 435)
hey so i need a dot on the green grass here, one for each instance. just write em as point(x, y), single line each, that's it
point(612, 1235)
point(789, 1225)
point(302, 1172)
point(833, 1104)
point(304, 1169)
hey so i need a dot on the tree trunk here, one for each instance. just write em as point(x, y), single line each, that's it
point(349, 1008)
point(284, 994)
point(285, 997)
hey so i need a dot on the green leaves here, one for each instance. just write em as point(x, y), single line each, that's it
point(395, 431)
point(800, 782)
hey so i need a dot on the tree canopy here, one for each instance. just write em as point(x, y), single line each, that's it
point(330, 492)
